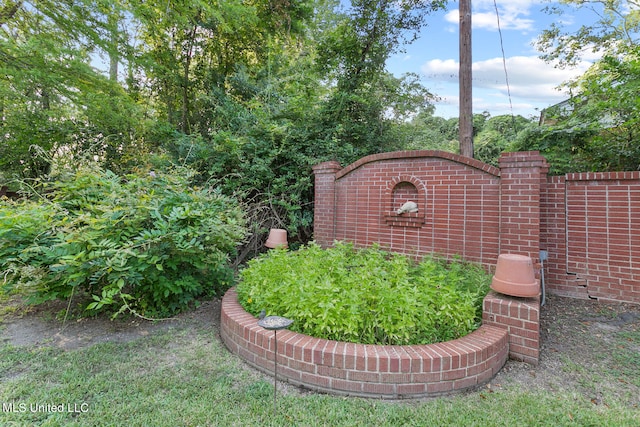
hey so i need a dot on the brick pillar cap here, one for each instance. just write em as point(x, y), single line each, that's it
point(520, 157)
point(331, 166)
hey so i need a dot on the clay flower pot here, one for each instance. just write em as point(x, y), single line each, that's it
point(515, 276)
point(277, 238)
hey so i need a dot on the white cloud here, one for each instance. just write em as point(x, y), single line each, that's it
point(513, 15)
point(533, 84)
point(528, 76)
point(512, 21)
point(441, 69)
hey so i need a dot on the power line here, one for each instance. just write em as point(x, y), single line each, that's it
point(504, 64)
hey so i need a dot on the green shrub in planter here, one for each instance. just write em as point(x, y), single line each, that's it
point(148, 243)
point(368, 296)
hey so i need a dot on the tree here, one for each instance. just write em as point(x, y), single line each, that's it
point(50, 95)
point(192, 48)
point(607, 104)
point(496, 135)
point(250, 93)
point(617, 24)
point(602, 119)
point(560, 145)
point(429, 132)
point(353, 57)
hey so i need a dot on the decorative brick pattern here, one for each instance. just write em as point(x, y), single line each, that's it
point(392, 372)
point(401, 189)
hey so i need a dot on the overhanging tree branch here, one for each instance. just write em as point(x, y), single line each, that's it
point(9, 10)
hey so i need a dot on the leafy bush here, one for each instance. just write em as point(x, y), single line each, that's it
point(368, 296)
point(148, 243)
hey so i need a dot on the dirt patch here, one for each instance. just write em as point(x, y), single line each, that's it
point(42, 326)
point(588, 347)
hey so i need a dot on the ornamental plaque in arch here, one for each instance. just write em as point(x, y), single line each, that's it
point(405, 202)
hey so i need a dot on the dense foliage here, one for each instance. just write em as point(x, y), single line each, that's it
point(249, 94)
point(615, 24)
point(368, 296)
point(147, 243)
point(596, 129)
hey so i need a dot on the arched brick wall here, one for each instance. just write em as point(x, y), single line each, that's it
point(459, 201)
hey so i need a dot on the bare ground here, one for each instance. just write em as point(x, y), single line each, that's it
point(588, 347)
point(46, 325)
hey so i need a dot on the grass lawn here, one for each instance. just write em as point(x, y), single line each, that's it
point(184, 376)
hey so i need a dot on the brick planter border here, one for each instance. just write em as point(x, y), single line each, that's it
point(391, 372)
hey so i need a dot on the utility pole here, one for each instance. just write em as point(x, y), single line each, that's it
point(466, 107)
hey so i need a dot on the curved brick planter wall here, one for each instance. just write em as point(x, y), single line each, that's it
point(366, 370)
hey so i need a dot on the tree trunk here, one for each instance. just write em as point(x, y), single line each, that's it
point(45, 99)
point(114, 56)
point(185, 78)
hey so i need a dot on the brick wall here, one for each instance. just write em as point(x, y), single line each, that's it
point(592, 232)
point(589, 223)
point(392, 372)
point(521, 318)
point(458, 201)
point(522, 177)
point(324, 197)
point(553, 239)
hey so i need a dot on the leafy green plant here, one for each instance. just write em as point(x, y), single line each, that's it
point(147, 243)
point(368, 295)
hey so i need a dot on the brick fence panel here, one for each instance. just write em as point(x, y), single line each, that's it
point(589, 223)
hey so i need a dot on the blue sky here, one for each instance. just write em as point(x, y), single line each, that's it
point(532, 82)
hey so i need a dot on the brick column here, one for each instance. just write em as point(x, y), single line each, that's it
point(325, 202)
point(522, 176)
point(521, 318)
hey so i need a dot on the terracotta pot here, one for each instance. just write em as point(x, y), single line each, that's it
point(277, 238)
point(515, 276)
